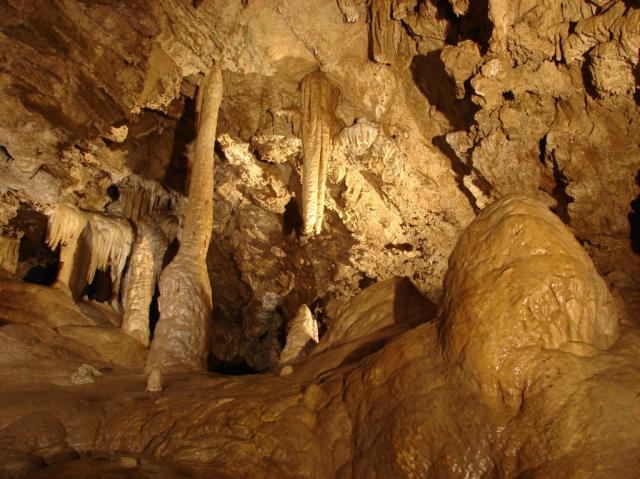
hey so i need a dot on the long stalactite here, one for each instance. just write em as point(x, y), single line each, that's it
point(318, 100)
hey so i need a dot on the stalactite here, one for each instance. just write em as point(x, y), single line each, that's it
point(9, 250)
point(111, 239)
point(181, 336)
point(382, 31)
point(143, 272)
point(303, 329)
point(140, 197)
point(65, 225)
point(318, 102)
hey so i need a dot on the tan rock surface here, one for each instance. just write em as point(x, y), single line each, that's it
point(437, 110)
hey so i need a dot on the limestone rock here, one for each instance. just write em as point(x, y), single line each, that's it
point(519, 282)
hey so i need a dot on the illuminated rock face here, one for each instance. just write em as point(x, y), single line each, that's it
point(519, 282)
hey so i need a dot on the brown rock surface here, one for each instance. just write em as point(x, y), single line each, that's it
point(436, 110)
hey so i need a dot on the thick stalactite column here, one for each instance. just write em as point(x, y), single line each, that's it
point(318, 101)
point(182, 334)
point(144, 268)
point(65, 225)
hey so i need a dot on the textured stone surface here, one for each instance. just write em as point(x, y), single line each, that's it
point(519, 282)
point(437, 110)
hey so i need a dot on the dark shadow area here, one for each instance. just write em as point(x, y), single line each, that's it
point(100, 288)
point(113, 192)
point(636, 74)
point(292, 218)
point(170, 252)
point(154, 312)
point(542, 147)
point(366, 281)
point(432, 80)
point(410, 306)
point(44, 275)
point(474, 25)
point(460, 168)
point(399, 246)
point(363, 351)
point(36, 262)
point(634, 220)
point(560, 194)
point(177, 173)
point(231, 368)
point(587, 79)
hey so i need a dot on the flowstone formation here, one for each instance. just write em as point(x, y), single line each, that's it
point(519, 282)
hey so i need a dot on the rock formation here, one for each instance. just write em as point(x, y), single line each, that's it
point(450, 187)
point(181, 337)
point(302, 332)
point(518, 282)
point(145, 264)
point(317, 99)
point(65, 225)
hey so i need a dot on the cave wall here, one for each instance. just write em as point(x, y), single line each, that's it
point(467, 103)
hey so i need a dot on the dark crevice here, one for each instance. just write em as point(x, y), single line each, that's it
point(459, 168)
point(44, 275)
point(37, 263)
point(434, 83)
point(101, 287)
point(587, 79)
point(399, 246)
point(176, 175)
point(292, 218)
point(154, 312)
point(231, 368)
point(366, 281)
point(542, 156)
point(563, 199)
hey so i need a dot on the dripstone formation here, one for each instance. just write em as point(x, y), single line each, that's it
point(319, 238)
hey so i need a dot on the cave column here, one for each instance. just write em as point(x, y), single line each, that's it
point(144, 268)
point(181, 337)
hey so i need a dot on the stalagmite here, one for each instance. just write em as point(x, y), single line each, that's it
point(317, 101)
point(303, 329)
point(9, 249)
point(144, 268)
point(65, 225)
point(181, 336)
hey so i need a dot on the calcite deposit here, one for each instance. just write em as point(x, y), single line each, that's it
point(319, 238)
